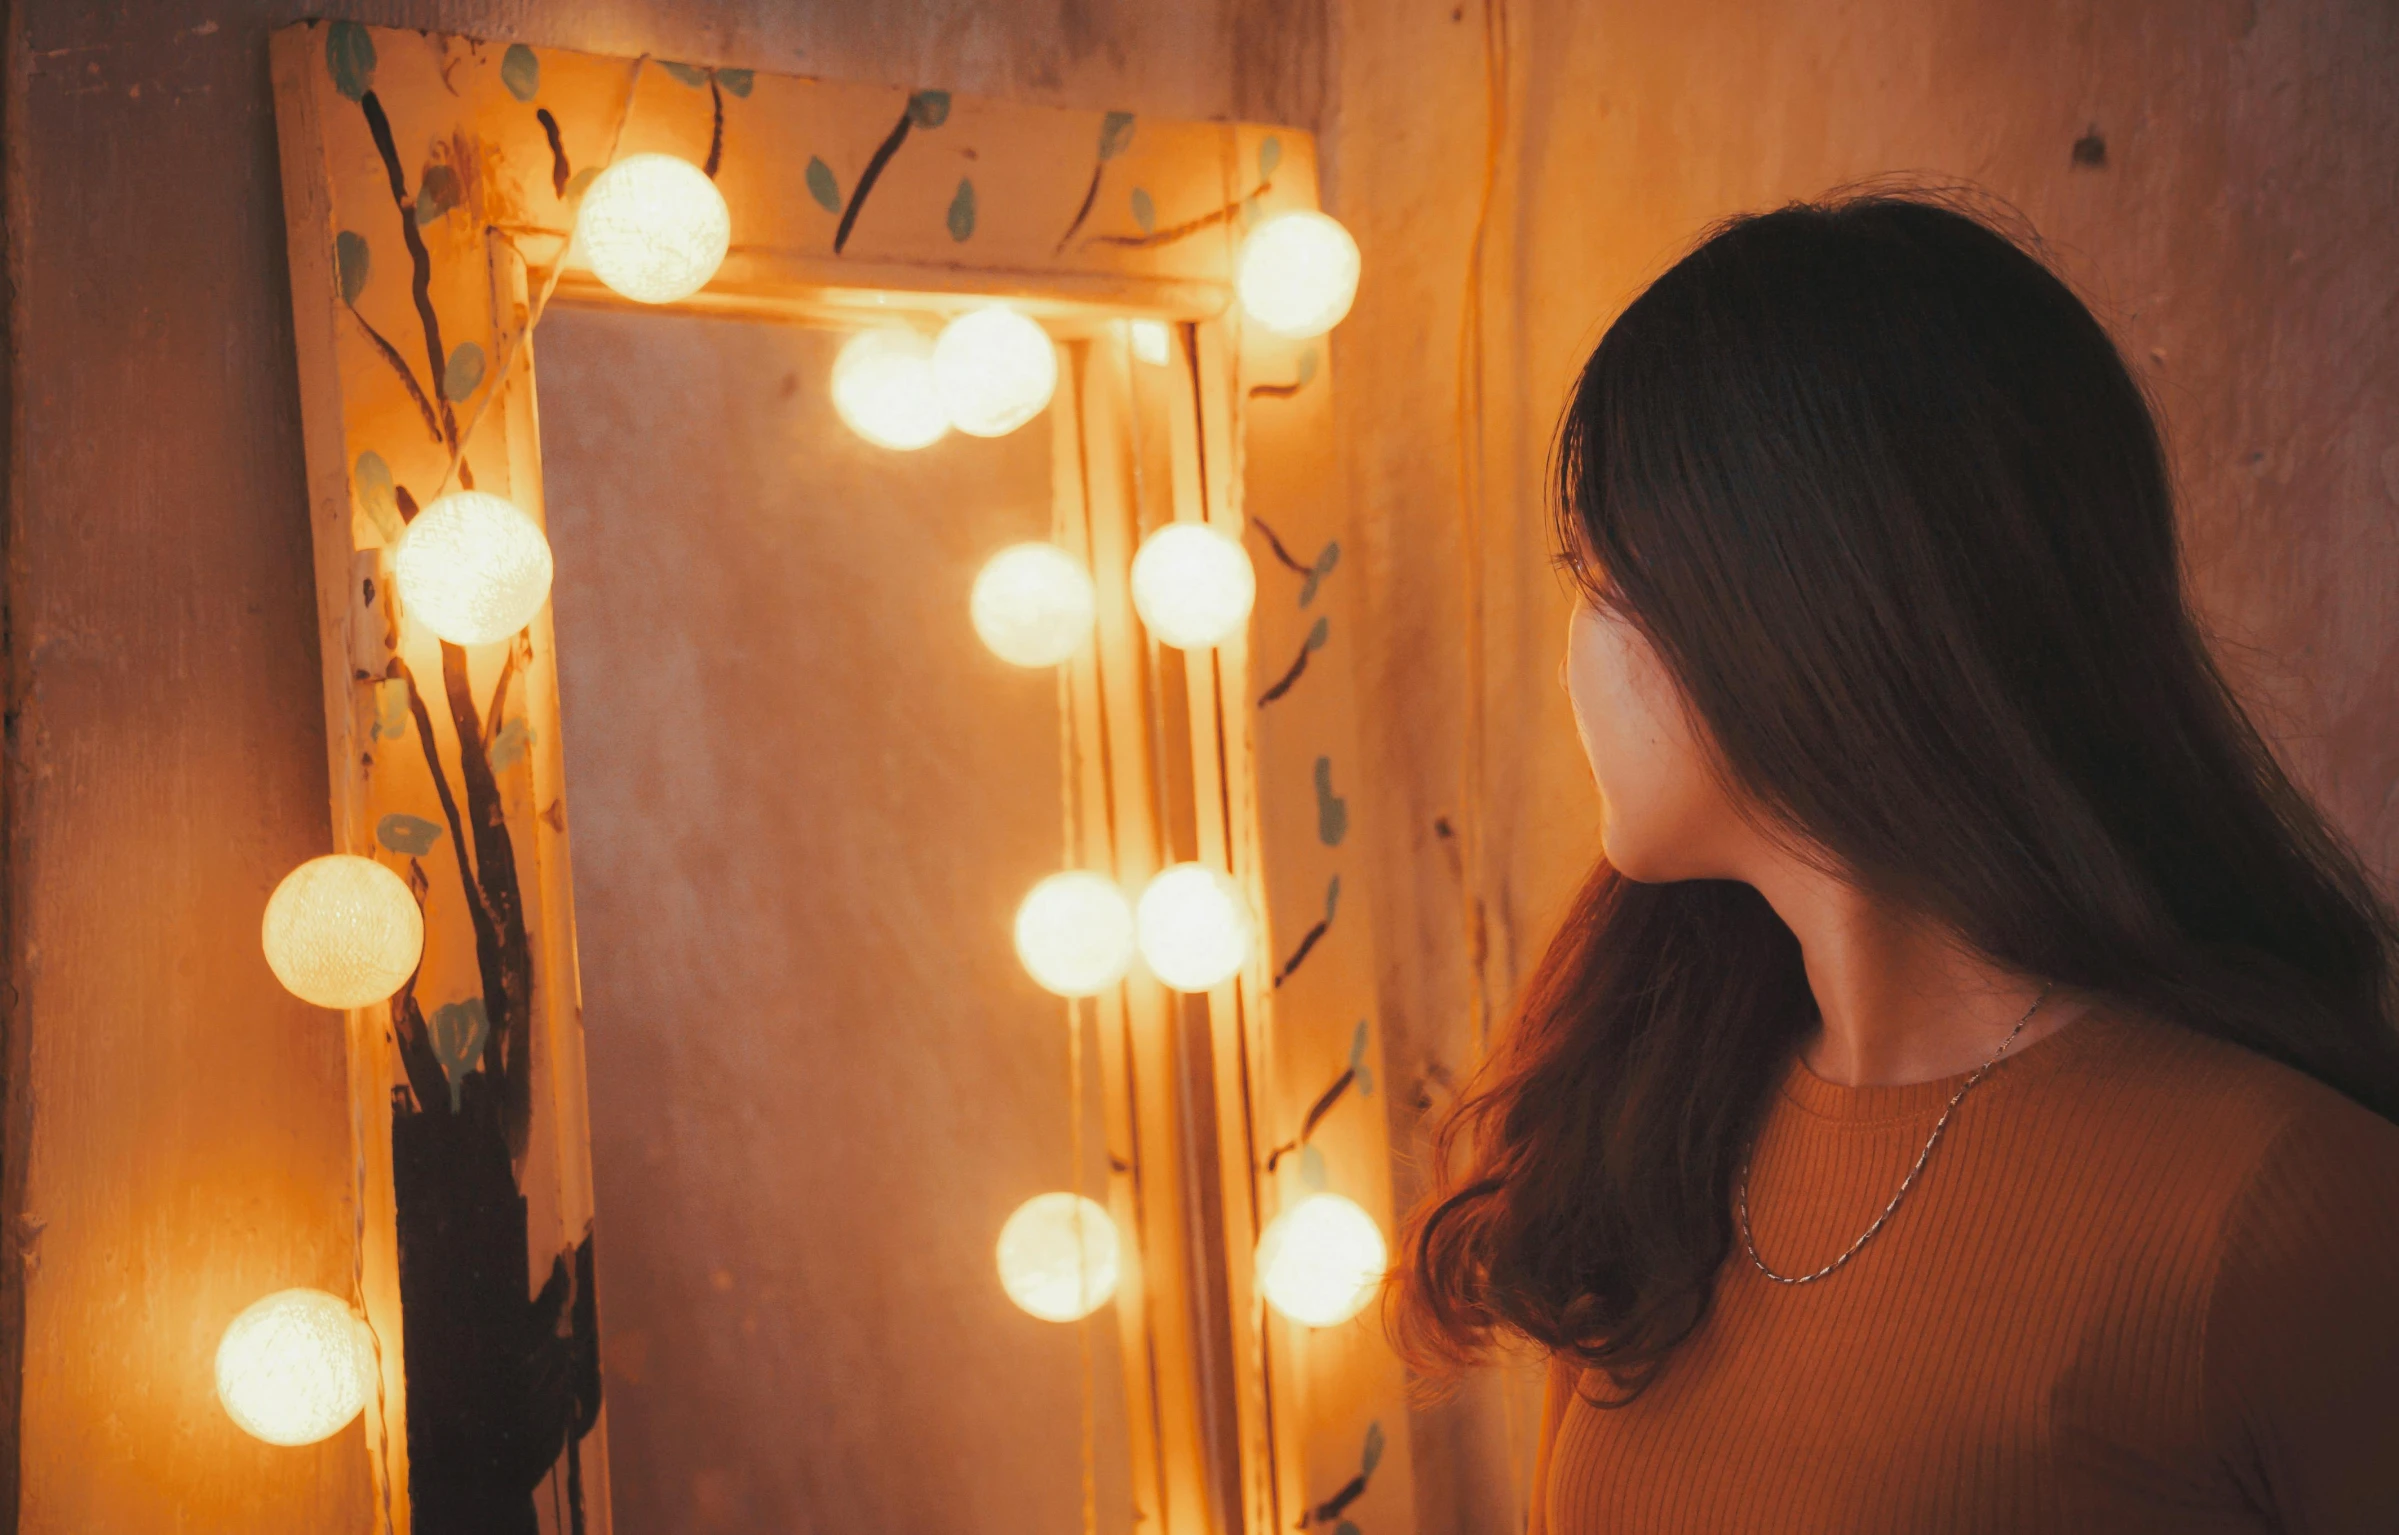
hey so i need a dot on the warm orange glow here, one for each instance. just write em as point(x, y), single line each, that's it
point(295, 1367)
point(342, 931)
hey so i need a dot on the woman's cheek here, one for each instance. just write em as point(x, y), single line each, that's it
point(1614, 680)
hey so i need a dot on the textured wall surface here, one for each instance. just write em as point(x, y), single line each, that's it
point(2238, 229)
point(185, 1145)
point(188, 1149)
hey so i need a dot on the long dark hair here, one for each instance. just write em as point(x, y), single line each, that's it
point(1883, 496)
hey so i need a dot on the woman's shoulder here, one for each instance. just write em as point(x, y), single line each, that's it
point(2252, 1114)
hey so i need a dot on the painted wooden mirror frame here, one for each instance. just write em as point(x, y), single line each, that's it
point(428, 182)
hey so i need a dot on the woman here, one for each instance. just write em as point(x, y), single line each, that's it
point(1963, 1098)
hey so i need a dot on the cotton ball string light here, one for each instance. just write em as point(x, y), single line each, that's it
point(295, 1367)
point(1297, 273)
point(1193, 585)
point(995, 370)
point(1057, 1257)
point(342, 931)
point(654, 228)
point(1074, 934)
point(1321, 1261)
point(1193, 925)
point(883, 389)
point(1032, 604)
point(472, 568)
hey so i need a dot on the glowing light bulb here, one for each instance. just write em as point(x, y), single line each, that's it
point(472, 568)
point(883, 389)
point(295, 1367)
point(1074, 934)
point(1193, 585)
point(342, 931)
point(1321, 1261)
point(1193, 926)
point(1032, 604)
point(1297, 273)
point(1149, 341)
point(654, 228)
point(1058, 1257)
point(995, 369)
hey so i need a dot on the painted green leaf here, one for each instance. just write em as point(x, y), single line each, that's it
point(1332, 811)
point(465, 371)
point(1270, 155)
point(690, 74)
point(1332, 897)
point(581, 181)
point(822, 186)
point(372, 483)
point(352, 261)
point(411, 836)
point(458, 1031)
point(391, 722)
point(737, 81)
point(510, 744)
point(1331, 555)
point(1357, 1044)
point(1345, 1527)
point(520, 71)
point(436, 193)
point(1145, 212)
point(1314, 1176)
point(1374, 1448)
point(1322, 631)
point(1116, 132)
point(929, 109)
point(962, 211)
point(350, 56)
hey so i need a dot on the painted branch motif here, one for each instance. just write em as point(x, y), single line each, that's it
point(1116, 135)
point(1357, 1074)
point(500, 1388)
point(925, 109)
point(1314, 935)
point(1332, 1508)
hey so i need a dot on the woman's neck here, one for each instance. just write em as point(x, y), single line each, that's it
point(1902, 1000)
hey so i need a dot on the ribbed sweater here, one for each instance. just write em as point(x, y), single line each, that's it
point(2148, 1281)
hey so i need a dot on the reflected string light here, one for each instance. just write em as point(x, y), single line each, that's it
point(883, 389)
point(1193, 585)
point(1297, 273)
point(342, 931)
point(1032, 604)
point(1194, 927)
point(1150, 341)
point(1057, 1257)
point(654, 228)
point(295, 1367)
point(472, 568)
point(995, 370)
point(1321, 1261)
point(1074, 934)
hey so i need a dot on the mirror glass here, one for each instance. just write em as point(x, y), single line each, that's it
point(807, 802)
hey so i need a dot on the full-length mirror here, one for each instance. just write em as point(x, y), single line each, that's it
point(809, 800)
point(839, 810)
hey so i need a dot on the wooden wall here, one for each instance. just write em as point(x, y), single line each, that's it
point(2221, 176)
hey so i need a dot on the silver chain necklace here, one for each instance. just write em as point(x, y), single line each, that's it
point(1749, 1243)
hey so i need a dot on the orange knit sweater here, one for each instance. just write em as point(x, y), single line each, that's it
point(2147, 1282)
